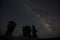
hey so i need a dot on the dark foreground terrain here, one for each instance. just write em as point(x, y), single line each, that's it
point(2, 37)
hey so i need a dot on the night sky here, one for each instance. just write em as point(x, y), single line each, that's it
point(44, 14)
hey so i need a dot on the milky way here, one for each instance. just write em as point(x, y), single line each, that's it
point(45, 20)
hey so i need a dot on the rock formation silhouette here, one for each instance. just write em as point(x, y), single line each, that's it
point(27, 31)
point(34, 31)
point(11, 26)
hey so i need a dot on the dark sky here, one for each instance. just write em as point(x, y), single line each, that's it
point(44, 14)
